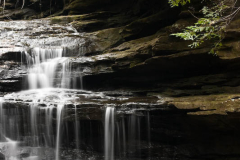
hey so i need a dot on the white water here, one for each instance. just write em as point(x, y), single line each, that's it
point(109, 133)
point(34, 123)
point(43, 65)
point(76, 128)
point(54, 99)
point(59, 113)
point(48, 68)
point(49, 136)
point(2, 123)
point(43, 46)
point(9, 149)
point(122, 134)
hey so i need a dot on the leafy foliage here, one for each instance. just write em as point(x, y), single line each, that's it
point(174, 3)
point(209, 27)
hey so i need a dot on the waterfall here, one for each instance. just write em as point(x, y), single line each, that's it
point(59, 113)
point(66, 73)
point(2, 127)
point(6, 142)
point(49, 137)
point(109, 133)
point(76, 128)
point(43, 65)
point(123, 136)
point(148, 129)
point(11, 152)
point(52, 115)
point(34, 123)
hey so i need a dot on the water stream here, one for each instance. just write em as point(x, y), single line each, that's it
point(51, 117)
point(45, 61)
point(58, 139)
point(109, 133)
point(47, 68)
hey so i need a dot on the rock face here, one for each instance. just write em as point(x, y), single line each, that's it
point(126, 46)
point(2, 157)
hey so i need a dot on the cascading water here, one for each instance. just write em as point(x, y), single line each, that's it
point(49, 136)
point(59, 113)
point(2, 127)
point(42, 72)
point(76, 128)
point(38, 122)
point(47, 68)
point(36, 131)
point(7, 146)
point(109, 133)
point(124, 135)
point(11, 151)
point(43, 63)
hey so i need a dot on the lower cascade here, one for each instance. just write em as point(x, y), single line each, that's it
point(55, 124)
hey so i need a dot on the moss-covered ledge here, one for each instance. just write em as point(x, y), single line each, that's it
point(207, 104)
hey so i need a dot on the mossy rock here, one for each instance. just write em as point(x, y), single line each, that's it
point(209, 104)
point(105, 39)
point(88, 26)
point(149, 25)
point(65, 19)
point(230, 50)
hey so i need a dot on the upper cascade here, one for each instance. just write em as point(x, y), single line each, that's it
point(45, 48)
point(42, 72)
point(19, 36)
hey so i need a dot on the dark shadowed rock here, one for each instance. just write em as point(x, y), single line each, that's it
point(2, 157)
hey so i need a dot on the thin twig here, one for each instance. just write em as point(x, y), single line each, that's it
point(193, 14)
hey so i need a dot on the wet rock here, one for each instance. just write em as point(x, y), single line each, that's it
point(104, 39)
point(149, 25)
point(89, 105)
point(2, 157)
point(81, 6)
point(9, 5)
point(88, 26)
point(25, 13)
point(24, 155)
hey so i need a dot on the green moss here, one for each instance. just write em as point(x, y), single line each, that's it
point(65, 19)
point(210, 104)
